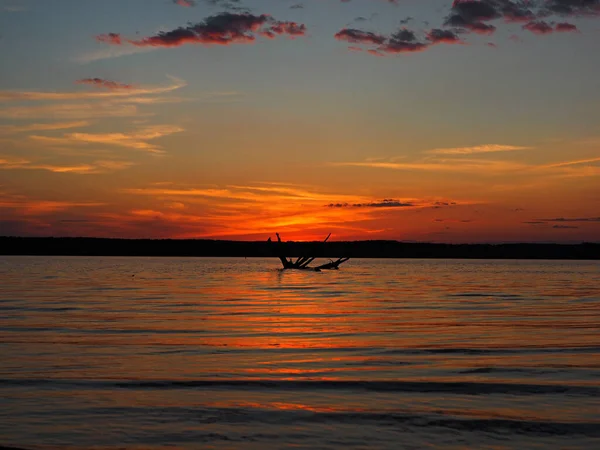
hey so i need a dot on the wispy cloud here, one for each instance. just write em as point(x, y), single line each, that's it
point(110, 52)
point(460, 162)
point(488, 148)
point(137, 140)
point(6, 129)
point(33, 207)
point(470, 165)
point(570, 163)
point(71, 111)
point(176, 83)
point(96, 167)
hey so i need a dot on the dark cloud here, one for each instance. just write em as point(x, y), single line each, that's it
point(571, 219)
point(400, 47)
point(438, 36)
point(438, 205)
point(472, 15)
point(402, 41)
point(359, 37)
point(563, 223)
point(110, 38)
point(573, 7)
point(566, 27)
point(403, 35)
point(102, 83)
point(221, 29)
point(444, 204)
point(538, 27)
point(391, 203)
point(238, 25)
point(476, 15)
point(385, 203)
point(516, 11)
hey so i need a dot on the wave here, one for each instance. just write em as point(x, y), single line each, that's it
point(491, 351)
point(374, 420)
point(455, 387)
point(518, 370)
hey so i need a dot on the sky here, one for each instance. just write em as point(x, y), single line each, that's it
point(414, 120)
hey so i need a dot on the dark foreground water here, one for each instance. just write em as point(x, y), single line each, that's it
point(148, 353)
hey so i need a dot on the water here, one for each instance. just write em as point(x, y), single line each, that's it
point(148, 353)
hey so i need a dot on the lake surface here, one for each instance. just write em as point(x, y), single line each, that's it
point(199, 353)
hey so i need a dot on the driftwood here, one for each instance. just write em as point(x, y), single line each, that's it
point(302, 262)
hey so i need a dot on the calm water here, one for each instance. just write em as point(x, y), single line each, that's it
point(147, 353)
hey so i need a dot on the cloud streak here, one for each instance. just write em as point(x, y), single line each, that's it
point(175, 84)
point(101, 166)
point(577, 168)
point(7, 129)
point(488, 148)
point(471, 165)
point(137, 140)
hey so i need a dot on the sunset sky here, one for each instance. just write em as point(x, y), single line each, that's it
point(416, 120)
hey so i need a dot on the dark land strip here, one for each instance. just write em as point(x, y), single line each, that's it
point(351, 249)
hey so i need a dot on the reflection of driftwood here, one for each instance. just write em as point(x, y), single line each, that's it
point(302, 262)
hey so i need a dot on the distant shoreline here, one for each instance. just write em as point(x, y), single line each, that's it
point(43, 246)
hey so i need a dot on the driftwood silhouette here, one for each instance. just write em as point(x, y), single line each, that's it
point(302, 262)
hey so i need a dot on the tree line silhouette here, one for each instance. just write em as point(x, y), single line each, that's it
point(351, 249)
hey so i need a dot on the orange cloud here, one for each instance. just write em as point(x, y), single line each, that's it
point(176, 83)
point(135, 140)
point(70, 111)
point(31, 207)
point(236, 211)
point(470, 165)
point(102, 166)
point(488, 148)
point(43, 126)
